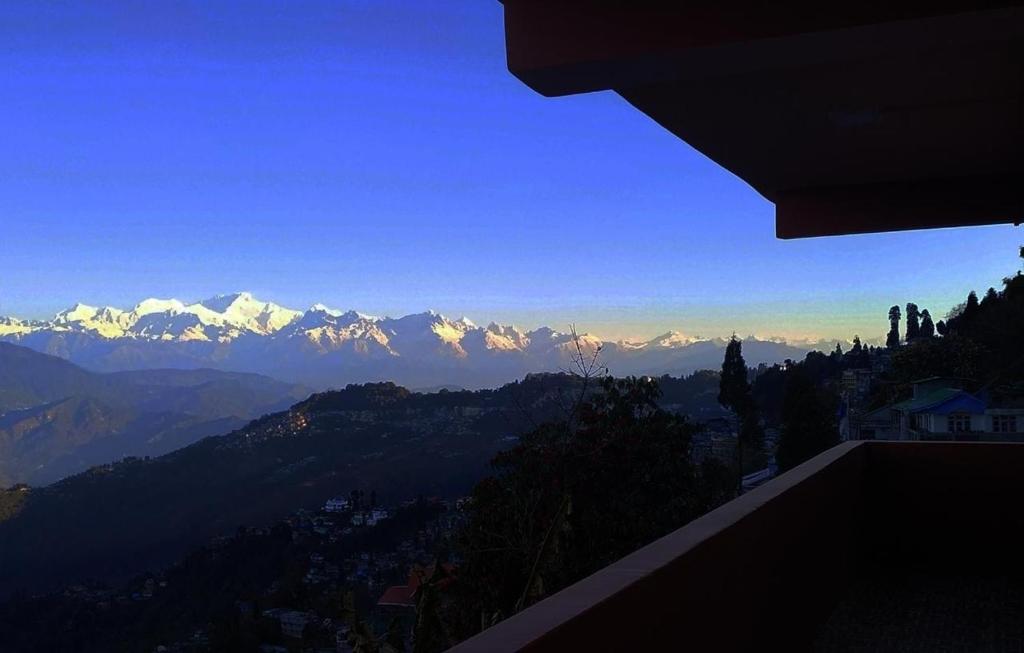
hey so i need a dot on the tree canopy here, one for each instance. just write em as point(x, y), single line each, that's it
point(568, 501)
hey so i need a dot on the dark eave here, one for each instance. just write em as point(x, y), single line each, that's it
point(860, 119)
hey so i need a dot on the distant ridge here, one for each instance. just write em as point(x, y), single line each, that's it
point(58, 419)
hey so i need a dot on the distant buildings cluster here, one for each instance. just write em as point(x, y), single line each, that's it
point(387, 579)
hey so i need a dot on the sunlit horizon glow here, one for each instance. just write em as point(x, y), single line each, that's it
point(382, 159)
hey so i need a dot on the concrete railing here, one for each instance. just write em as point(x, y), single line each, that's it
point(764, 570)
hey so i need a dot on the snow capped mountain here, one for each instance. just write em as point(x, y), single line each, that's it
point(105, 321)
point(221, 318)
point(327, 347)
point(10, 326)
point(153, 305)
point(501, 337)
point(426, 334)
point(328, 330)
point(668, 340)
point(244, 311)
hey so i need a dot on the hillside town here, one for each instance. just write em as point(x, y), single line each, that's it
point(350, 567)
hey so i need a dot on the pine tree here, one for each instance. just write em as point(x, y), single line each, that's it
point(733, 388)
point(913, 323)
point(941, 327)
point(892, 340)
point(857, 348)
point(734, 393)
point(927, 327)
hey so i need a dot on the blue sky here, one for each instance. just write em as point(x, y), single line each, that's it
point(379, 156)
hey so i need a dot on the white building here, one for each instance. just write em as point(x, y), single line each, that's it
point(376, 516)
point(336, 505)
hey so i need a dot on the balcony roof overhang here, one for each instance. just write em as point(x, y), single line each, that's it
point(851, 119)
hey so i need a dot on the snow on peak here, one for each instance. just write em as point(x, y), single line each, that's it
point(77, 313)
point(224, 318)
point(509, 333)
point(448, 331)
point(105, 321)
point(242, 311)
point(232, 302)
point(321, 308)
point(673, 339)
point(10, 326)
point(154, 305)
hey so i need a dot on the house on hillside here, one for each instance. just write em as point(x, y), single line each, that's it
point(293, 623)
point(336, 505)
point(404, 596)
point(940, 409)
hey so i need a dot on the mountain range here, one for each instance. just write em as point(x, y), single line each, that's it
point(57, 418)
point(323, 348)
point(140, 513)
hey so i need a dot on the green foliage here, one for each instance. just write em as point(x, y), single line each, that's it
point(808, 420)
point(953, 357)
point(566, 502)
point(369, 396)
point(691, 394)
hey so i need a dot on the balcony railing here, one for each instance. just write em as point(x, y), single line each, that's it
point(868, 546)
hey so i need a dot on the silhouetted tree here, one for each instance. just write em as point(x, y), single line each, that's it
point(972, 304)
point(734, 389)
point(981, 341)
point(892, 340)
point(562, 504)
point(941, 327)
point(808, 421)
point(991, 296)
point(927, 327)
point(859, 355)
point(430, 635)
point(734, 393)
point(913, 321)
